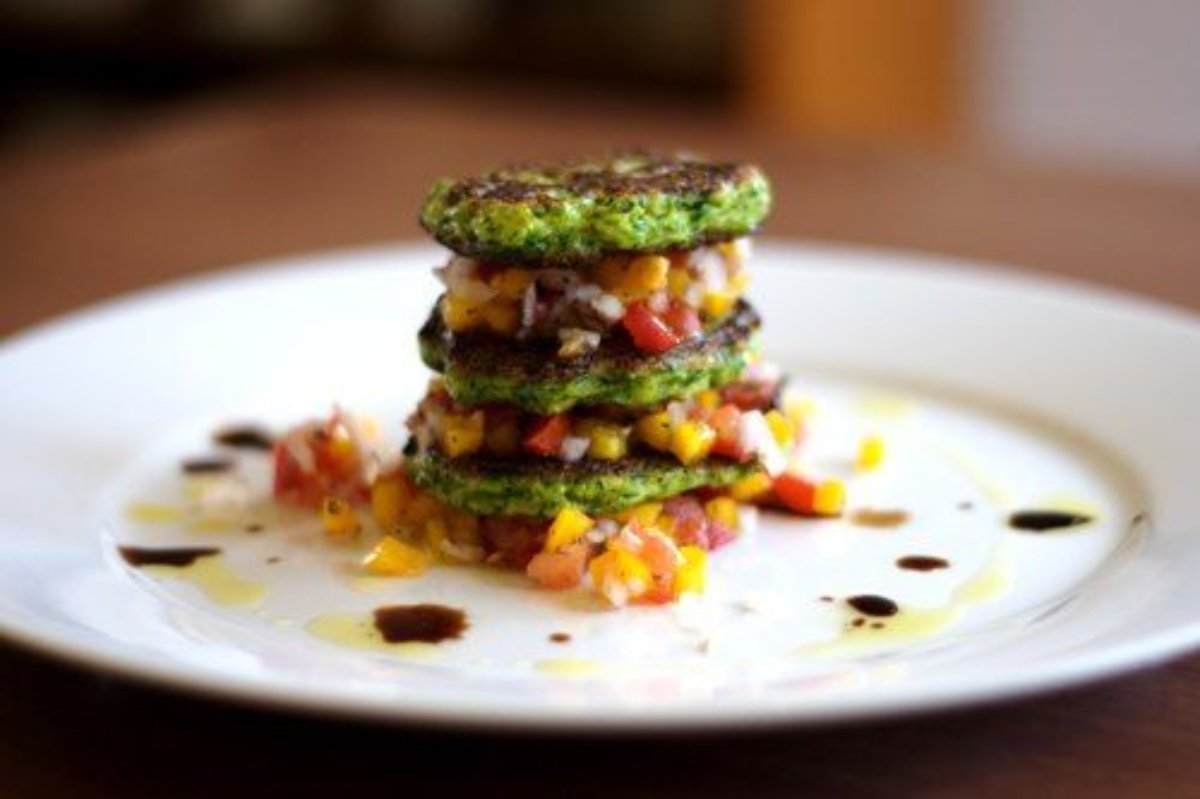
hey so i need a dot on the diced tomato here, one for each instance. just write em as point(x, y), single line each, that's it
point(727, 421)
point(649, 333)
point(335, 469)
point(795, 493)
point(659, 593)
point(659, 555)
point(683, 319)
point(547, 434)
point(560, 570)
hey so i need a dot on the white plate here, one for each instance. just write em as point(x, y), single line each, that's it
point(990, 389)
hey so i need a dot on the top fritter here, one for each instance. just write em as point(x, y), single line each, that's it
point(576, 212)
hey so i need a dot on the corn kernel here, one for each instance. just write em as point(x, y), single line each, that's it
point(655, 430)
point(608, 441)
point(690, 576)
point(723, 510)
point(502, 436)
point(691, 441)
point(750, 488)
point(511, 283)
point(338, 518)
point(462, 433)
point(502, 316)
point(393, 558)
point(678, 282)
point(781, 429)
point(830, 498)
point(718, 303)
point(461, 314)
point(708, 399)
point(388, 495)
point(870, 453)
point(567, 528)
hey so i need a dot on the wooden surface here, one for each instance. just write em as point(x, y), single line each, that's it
point(205, 187)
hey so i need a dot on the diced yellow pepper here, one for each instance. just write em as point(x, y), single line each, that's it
point(394, 558)
point(718, 303)
point(678, 282)
point(645, 514)
point(655, 430)
point(511, 283)
point(388, 495)
point(623, 566)
point(708, 399)
point(502, 316)
point(502, 436)
point(645, 275)
point(462, 433)
point(723, 510)
point(739, 283)
point(749, 488)
point(781, 429)
point(608, 441)
point(567, 528)
point(338, 518)
point(461, 314)
point(870, 453)
point(690, 576)
point(691, 441)
point(830, 498)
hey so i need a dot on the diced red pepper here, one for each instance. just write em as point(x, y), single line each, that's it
point(547, 434)
point(756, 395)
point(795, 493)
point(649, 333)
point(683, 319)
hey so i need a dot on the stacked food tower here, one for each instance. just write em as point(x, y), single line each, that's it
point(600, 410)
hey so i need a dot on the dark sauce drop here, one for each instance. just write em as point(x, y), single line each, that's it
point(428, 624)
point(244, 437)
point(254, 528)
point(207, 465)
point(922, 563)
point(1044, 521)
point(872, 605)
point(560, 638)
point(172, 556)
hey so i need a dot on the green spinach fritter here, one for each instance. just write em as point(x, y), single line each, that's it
point(480, 368)
point(540, 487)
point(575, 212)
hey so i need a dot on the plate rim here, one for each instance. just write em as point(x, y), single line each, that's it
point(1111, 660)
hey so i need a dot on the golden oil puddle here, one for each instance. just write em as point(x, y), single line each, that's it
point(358, 631)
point(211, 574)
point(569, 667)
point(864, 633)
point(153, 513)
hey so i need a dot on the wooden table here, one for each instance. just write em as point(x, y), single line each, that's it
point(269, 173)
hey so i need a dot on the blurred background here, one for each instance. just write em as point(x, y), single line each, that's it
point(1100, 86)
